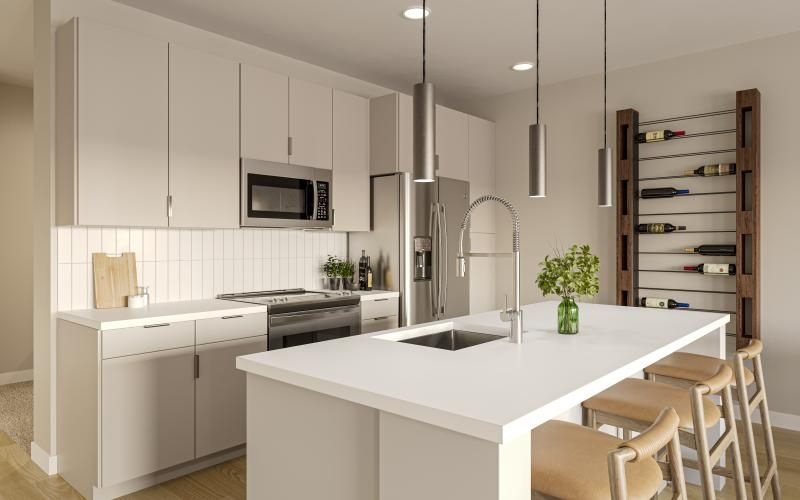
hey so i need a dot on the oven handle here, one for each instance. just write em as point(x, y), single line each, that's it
point(277, 320)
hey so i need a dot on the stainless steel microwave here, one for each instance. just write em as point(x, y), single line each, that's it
point(281, 195)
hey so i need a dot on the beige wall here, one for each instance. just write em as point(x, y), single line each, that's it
point(690, 84)
point(16, 202)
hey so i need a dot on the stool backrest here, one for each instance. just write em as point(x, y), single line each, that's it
point(663, 433)
point(717, 382)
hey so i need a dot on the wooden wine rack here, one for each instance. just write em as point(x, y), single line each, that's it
point(747, 210)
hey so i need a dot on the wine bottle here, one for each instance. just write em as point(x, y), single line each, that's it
point(659, 227)
point(719, 269)
point(658, 135)
point(713, 170)
point(660, 303)
point(667, 192)
point(727, 250)
point(369, 277)
point(363, 262)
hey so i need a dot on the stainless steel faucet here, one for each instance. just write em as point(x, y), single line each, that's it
point(514, 314)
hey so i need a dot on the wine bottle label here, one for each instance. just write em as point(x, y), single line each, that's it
point(653, 136)
point(656, 302)
point(655, 228)
point(710, 170)
point(715, 268)
point(690, 250)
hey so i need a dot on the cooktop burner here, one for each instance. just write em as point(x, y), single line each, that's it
point(298, 298)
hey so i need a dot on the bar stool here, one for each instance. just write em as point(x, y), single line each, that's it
point(633, 404)
point(571, 461)
point(682, 367)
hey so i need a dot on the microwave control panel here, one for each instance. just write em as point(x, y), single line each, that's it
point(323, 200)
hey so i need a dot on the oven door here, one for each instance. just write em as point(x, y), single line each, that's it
point(282, 195)
point(306, 327)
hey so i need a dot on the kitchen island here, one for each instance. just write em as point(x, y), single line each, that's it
point(371, 417)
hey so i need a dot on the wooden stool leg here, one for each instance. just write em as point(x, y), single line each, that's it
point(766, 424)
point(701, 446)
point(747, 422)
point(730, 422)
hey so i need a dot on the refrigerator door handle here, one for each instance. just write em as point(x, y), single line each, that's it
point(433, 289)
point(443, 256)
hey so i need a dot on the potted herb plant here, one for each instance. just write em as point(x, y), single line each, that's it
point(330, 268)
point(346, 271)
point(569, 274)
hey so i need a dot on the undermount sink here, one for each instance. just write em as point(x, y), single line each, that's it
point(452, 340)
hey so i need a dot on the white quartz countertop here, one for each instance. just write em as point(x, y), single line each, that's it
point(376, 294)
point(497, 390)
point(166, 312)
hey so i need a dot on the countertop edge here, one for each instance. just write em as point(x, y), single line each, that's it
point(106, 325)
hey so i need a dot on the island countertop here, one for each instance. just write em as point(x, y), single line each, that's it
point(497, 390)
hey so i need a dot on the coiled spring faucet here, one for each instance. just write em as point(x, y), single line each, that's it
point(513, 314)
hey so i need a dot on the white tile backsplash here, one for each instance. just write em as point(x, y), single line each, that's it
point(179, 264)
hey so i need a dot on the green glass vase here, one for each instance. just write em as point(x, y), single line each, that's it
point(568, 316)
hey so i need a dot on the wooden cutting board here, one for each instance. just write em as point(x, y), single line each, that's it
point(114, 279)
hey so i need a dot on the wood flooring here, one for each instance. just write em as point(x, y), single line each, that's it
point(20, 479)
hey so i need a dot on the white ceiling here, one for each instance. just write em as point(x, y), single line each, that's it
point(16, 42)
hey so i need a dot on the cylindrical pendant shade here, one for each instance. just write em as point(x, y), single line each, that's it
point(604, 176)
point(424, 132)
point(537, 168)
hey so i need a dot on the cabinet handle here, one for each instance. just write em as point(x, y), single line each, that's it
point(196, 366)
point(381, 300)
point(381, 318)
point(159, 325)
point(233, 317)
point(289, 146)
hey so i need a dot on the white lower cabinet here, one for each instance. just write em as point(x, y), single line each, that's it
point(147, 413)
point(220, 394)
point(134, 402)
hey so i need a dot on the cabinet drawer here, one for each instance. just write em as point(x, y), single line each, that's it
point(231, 327)
point(379, 308)
point(378, 324)
point(148, 338)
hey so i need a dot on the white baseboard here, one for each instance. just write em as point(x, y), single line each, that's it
point(778, 419)
point(14, 377)
point(46, 462)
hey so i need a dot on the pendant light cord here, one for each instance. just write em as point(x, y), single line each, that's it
point(605, 73)
point(537, 61)
point(424, 33)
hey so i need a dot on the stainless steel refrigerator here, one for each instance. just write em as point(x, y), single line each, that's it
point(413, 244)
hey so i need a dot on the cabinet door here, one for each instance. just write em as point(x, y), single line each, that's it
point(405, 133)
point(350, 162)
point(452, 136)
point(310, 124)
point(221, 394)
point(121, 135)
point(147, 413)
point(481, 172)
point(265, 114)
point(203, 139)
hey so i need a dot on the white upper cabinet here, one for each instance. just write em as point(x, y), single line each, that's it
point(310, 124)
point(111, 127)
point(203, 139)
point(452, 137)
point(391, 134)
point(481, 172)
point(265, 114)
point(350, 162)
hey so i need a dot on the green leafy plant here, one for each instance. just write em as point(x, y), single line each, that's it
point(347, 269)
point(334, 267)
point(570, 273)
point(331, 266)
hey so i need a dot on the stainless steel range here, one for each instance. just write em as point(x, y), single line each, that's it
point(299, 316)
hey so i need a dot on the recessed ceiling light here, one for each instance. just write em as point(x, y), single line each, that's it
point(522, 66)
point(415, 13)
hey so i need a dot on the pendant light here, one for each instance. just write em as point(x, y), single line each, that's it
point(537, 140)
point(604, 161)
point(424, 118)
